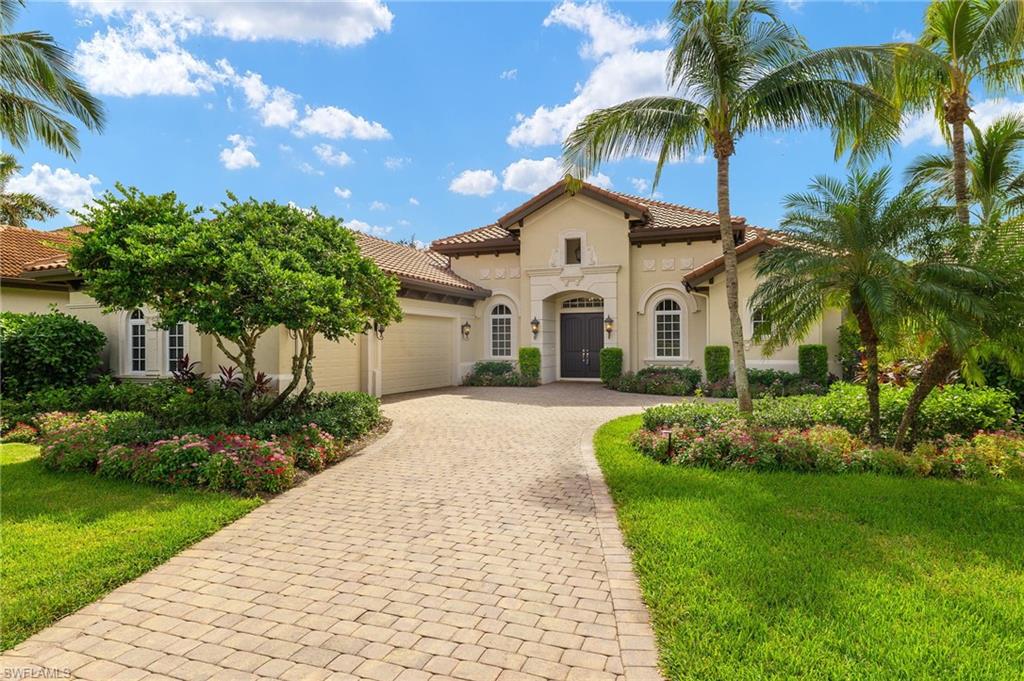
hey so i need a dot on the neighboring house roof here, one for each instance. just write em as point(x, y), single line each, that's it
point(759, 240)
point(26, 257)
point(20, 246)
point(650, 221)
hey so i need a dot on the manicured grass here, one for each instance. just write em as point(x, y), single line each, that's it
point(69, 538)
point(786, 575)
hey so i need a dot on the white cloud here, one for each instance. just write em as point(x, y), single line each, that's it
point(601, 180)
point(343, 193)
point(308, 169)
point(622, 72)
point(327, 154)
point(509, 74)
point(620, 77)
point(343, 24)
point(609, 32)
point(404, 223)
point(276, 106)
point(396, 162)
point(474, 183)
point(239, 156)
point(285, 149)
point(336, 123)
point(413, 201)
point(531, 176)
point(639, 184)
point(61, 187)
point(366, 228)
point(143, 57)
point(903, 36)
point(795, 5)
point(924, 126)
point(378, 205)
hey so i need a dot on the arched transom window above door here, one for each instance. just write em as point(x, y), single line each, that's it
point(668, 329)
point(582, 302)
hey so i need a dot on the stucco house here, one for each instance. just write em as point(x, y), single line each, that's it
point(567, 272)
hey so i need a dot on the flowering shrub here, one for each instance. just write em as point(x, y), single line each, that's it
point(179, 461)
point(240, 462)
point(75, 441)
point(21, 432)
point(736, 443)
point(658, 381)
point(311, 448)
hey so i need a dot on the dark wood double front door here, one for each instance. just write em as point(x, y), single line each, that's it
point(582, 341)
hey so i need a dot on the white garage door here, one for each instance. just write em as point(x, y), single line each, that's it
point(417, 354)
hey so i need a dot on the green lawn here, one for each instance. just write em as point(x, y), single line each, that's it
point(68, 538)
point(783, 575)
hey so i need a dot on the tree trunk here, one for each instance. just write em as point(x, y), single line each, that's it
point(245, 360)
point(957, 110)
point(302, 365)
point(723, 150)
point(869, 338)
point(939, 366)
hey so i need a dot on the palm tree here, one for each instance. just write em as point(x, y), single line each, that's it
point(964, 42)
point(38, 86)
point(736, 68)
point(843, 245)
point(17, 207)
point(991, 329)
point(995, 170)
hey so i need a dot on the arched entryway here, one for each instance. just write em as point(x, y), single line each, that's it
point(580, 336)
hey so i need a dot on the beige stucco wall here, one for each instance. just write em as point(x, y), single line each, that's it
point(631, 279)
point(25, 300)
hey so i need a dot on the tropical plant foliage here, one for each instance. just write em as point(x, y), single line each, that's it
point(737, 69)
point(16, 208)
point(38, 88)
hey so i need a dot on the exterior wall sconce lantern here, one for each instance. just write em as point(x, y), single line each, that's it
point(535, 326)
point(609, 324)
point(465, 330)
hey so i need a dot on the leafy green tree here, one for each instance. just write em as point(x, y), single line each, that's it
point(38, 87)
point(737, 69)
point(16, 208)
point(964, 42)
point(249, 268)
point(995, 171)
point(990, 328)
point(843, 245)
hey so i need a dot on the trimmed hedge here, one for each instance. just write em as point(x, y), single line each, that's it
point(50, 350)
point(813, 362)
point(716, 362)
point(529, 363)
point(498, 374)
point(677, 381)
point(611, 364)
point(951, 410)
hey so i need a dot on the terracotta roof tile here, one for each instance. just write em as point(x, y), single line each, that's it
point(762, 239)
point(23, 251)
point(21, 245)
point(656, 216)
point(409, 263)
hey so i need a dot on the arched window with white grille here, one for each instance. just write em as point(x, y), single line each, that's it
point(668, 329)
point(137, 341)
point(501, 331)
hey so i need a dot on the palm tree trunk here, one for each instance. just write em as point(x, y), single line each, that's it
point(722, 153)
point(956, 114)
point(869, 338)
point(939, 366)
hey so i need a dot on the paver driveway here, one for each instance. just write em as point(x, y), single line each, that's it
point(475, 541)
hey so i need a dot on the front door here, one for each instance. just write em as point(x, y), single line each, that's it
point(581, 344)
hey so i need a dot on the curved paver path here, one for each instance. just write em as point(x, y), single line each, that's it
point(475, 541)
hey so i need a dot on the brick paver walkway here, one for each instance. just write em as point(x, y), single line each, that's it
point(475, 541)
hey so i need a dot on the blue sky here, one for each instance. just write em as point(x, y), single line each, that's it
point(404, 118)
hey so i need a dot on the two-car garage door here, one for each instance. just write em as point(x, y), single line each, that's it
point(417, 354)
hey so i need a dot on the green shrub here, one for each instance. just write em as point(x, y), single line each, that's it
point(242, 463)
point(611, 364)
point(998, 375)
point(813, 362)
point(659, 381)
point(75, 441)
point(700, 416)
point(716, 362)
point(46, 351)
point(345, 415)
point(311, 448)
point(493, 368)
point(529, 363)
point(497, 374)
